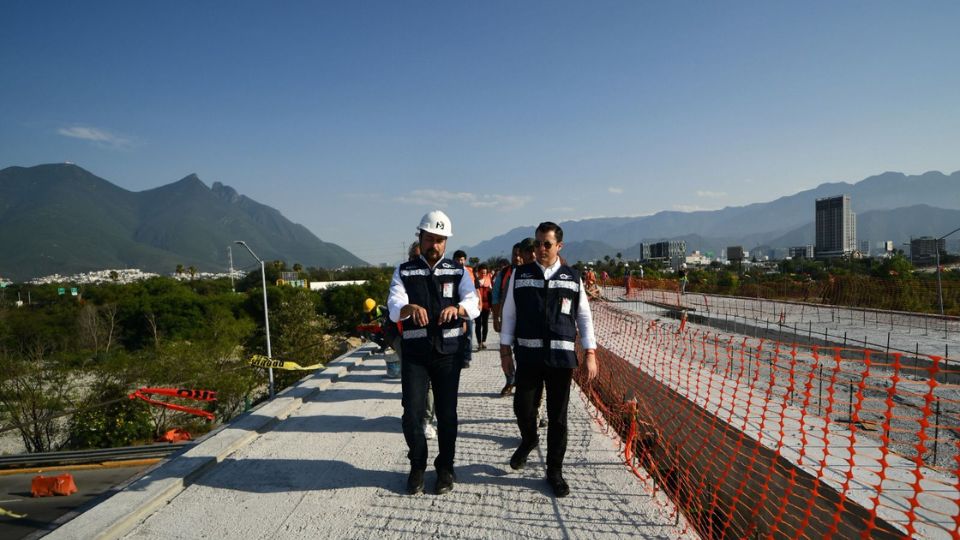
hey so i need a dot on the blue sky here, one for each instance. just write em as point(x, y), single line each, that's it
point(355, 118)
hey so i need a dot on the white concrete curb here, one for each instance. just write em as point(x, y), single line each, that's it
point(117, 515)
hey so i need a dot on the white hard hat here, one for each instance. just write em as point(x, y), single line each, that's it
point(436, 222)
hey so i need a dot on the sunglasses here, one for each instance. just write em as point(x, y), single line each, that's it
point(545, 245)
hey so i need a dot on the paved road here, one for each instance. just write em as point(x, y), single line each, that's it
point(880, 330)
point(336, 468)
point(41, 512)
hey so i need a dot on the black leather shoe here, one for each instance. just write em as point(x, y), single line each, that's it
point(559, 485)
point(445, 480)
point(415, 482)
point(519, 458)
point(507, 390)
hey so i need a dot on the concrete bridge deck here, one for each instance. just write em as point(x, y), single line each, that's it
point(327, 459)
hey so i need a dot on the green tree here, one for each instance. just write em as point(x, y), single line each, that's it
point(34, 392)
point(108, 419)
point(301, 335)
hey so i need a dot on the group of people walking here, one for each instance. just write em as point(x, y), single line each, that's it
point(539, 307)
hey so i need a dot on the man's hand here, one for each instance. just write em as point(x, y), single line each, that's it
point(448, 314)
point(591, 359)
point(416, 313)
point(506, 360)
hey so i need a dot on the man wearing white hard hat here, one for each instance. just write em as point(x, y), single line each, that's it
point(432, 297)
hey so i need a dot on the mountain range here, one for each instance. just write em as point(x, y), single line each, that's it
point(890, 206)
point(60, 218)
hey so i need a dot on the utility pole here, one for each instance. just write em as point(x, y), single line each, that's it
point(266, 310)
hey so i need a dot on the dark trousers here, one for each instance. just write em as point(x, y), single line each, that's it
point(531, 377)
point(443, 372)
point(481, 325)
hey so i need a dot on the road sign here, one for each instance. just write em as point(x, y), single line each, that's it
point(61, 291)
point(73, 291)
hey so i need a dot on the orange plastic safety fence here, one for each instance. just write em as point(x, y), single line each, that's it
point(760, 437)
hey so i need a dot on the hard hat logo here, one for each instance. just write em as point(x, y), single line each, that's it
point(436, 222)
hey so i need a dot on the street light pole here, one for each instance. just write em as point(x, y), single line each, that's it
point(266, 311)
point(936, 248)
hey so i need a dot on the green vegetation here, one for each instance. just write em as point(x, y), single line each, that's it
point(67, 363)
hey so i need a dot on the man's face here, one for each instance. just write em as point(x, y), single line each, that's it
point(515, 257)
point(482, 273)
point(547, 249)
point(432, 246)
point(461, 260)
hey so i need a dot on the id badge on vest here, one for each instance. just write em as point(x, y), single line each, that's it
point(565, 305)
point(448, 290)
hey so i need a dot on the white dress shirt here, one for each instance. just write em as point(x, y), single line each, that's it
point(398, 294)
point(508, 318)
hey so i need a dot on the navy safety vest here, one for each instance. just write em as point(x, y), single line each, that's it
point(546, 315)
point(433, 289)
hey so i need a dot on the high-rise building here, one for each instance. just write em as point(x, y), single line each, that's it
point(865, 248)
point(923, 250)
point(801, 252)
point(836, 227)
point(644, 251)
point(674, 251)
point(735, 253)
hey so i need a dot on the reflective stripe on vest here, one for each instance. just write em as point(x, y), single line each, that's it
point(538, 283)
point(557, 344)
point(452, 332)
point(448, 272)
point(572, 285)
point(415, 272)
point(415, 333)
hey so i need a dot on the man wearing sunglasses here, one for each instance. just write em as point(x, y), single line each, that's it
point(545, 307)
point(433, 297)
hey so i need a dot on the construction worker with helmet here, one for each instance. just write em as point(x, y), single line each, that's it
point(378, 315)
point(433, 297)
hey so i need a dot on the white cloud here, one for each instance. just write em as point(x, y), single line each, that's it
point(711, 194)
point(441, 198)
point(615, 190)
point(97, 136)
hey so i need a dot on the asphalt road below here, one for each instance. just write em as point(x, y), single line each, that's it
point(42, 511)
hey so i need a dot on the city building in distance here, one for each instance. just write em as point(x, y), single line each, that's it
point(923, 250)
point(836, 226)
point(801, 252)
